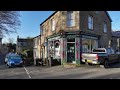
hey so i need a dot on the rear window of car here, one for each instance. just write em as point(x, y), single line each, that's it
point(98, 50)
point(15, 57)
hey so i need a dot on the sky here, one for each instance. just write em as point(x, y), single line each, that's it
point(31, 20)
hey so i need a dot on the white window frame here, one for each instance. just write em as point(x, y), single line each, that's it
point(105, 27)
point(53, 24)
point(118, 42)
point(90, 22)
point(70, 18)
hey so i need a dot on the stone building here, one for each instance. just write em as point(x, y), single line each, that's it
point(67, 34)
point(36, 48)
point(24, 44)
point(116, 40)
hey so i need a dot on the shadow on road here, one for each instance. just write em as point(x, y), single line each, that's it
point(69, 76)
point(108, 76)
point(115, 65)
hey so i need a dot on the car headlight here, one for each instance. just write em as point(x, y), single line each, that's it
point(21, 61)
point(11, 61)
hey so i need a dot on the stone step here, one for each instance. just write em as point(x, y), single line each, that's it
point(69, 65)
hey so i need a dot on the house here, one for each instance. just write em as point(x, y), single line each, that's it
point(36, 48)
point(24, 44)
point(67, 34)
point(116, 40)
point(4, 49)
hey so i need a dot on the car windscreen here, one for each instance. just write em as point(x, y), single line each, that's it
point(15, 57)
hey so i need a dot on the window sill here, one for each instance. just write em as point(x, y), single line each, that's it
point(91, 29)
point(71, 26)
point(105, 32)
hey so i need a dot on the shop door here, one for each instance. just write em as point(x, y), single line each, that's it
point(70, 52)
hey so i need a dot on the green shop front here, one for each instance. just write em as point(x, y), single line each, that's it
point(68, 46)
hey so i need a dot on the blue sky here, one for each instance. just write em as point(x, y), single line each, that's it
point(115, 16)
point(30, 23)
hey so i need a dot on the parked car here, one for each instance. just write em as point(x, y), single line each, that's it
point(103, 56)
point(14, 61)
point(9, 54)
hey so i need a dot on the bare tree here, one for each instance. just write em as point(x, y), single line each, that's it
point(9, 21)
point(11, 40)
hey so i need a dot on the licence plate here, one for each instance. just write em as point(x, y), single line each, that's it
point(89, 61)
point(17, 64)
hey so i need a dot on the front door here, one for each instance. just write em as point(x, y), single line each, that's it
point(70, 52)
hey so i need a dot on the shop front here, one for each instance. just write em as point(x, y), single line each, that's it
point(64, 48)
point(68, 48)
point(53, 50)
point(88, 43)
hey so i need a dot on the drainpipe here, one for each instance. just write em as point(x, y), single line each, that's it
point(99, 44)
point(80, 47)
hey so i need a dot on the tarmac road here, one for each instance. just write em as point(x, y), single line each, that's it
point(60, 72)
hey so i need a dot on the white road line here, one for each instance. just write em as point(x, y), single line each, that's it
point(27, 72)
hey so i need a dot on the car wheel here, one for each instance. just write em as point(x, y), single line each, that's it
point(90, 64)
point(118, 61)
point(106, 64)
point(9, 66)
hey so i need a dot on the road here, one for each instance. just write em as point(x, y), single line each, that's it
point(60, 72)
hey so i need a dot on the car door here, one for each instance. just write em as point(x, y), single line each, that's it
point(112, 56)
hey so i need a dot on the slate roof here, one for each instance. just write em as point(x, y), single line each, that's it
point(116, 34)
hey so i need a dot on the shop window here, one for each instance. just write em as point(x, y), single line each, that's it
point(57, 49)
point(89, 44)
point(57, 44)
point(71, 40)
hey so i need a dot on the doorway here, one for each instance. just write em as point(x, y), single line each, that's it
point(71, 51)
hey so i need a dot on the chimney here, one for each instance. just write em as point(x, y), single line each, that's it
point(17, 37)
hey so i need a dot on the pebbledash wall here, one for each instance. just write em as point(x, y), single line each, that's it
point(36, 48)
point(67, 34)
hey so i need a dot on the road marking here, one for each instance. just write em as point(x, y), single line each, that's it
point(27, 72)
